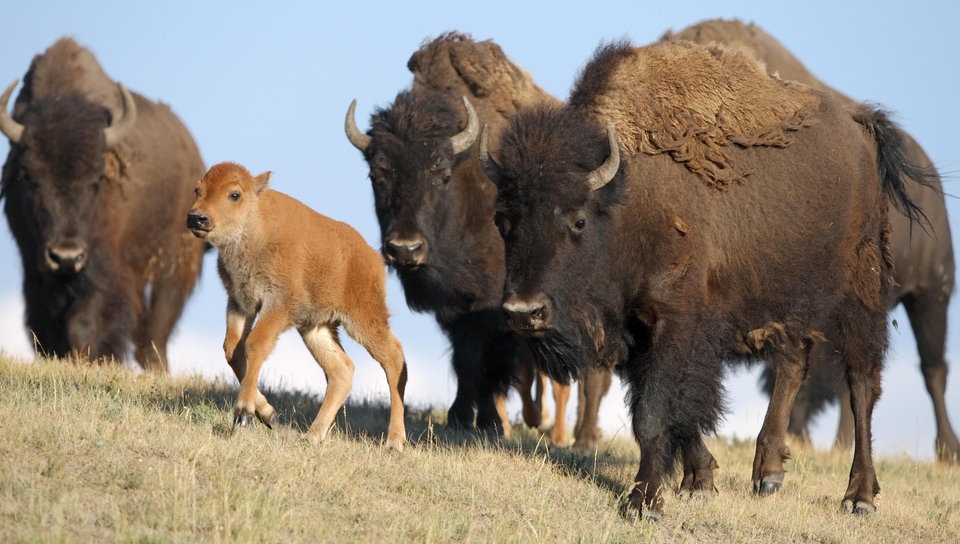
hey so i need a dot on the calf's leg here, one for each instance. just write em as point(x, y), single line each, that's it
point(384, 347)
point(257, 346)
point(324, 345)
point(234, 348)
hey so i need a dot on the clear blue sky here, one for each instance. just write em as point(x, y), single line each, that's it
point(267, 84)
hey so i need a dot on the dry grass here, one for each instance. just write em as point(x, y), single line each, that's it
point(103, 454)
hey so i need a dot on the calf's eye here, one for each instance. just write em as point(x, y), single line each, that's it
point(235, 196)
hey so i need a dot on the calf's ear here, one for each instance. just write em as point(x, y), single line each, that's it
point(260, 182)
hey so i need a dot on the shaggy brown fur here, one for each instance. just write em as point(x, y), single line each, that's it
point(435, 207)
point(121, 205)
point(683, 278)
point(923, 260)
point(692, 102)
point(284, 266)
point(457, 65)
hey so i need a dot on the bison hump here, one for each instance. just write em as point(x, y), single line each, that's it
point(693, 102)
point(455, 63)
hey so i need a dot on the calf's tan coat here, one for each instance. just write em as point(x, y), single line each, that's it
point(284, 265)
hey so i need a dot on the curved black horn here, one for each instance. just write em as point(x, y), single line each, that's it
point(10, 128)
point(605, 172)
point(461, 142)
point(357, 138)
point(490, 167)
point(128, 118)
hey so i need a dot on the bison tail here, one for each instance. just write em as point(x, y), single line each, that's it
point(893, 164)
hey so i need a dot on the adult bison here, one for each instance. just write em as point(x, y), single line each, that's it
point(922, 258)
point(97, 182)
point(435, 209)
point(737, 216)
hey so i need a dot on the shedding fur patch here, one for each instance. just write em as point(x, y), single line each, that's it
point(694, 102)
point(775, 336)
point(872, 275)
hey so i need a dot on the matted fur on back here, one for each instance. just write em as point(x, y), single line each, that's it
point(691, 101)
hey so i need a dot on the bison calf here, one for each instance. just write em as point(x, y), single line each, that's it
point(284, 265)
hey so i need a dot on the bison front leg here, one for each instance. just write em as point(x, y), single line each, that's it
point(100, 326)
point(698, 467)
point(234, 348)
point(467, 360)
point(675, 397)
point(255, 349)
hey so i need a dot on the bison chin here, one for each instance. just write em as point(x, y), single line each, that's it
point(560, 357)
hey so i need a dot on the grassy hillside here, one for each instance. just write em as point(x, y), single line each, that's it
point(102, 454)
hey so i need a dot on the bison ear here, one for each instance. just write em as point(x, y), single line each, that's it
point(260, 182)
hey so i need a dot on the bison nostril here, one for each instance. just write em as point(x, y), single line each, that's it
point(68, 258)
point(527, 315)
point(407, 252)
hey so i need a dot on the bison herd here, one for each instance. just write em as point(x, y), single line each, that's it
point(697, 202)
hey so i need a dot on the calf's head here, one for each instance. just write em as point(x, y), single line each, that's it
point(59, 163)
point(412, 150)
point(226, 201)
point(559, 176)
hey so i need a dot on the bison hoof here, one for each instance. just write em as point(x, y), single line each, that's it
point(860, 508)
point(242, 420)
point(768, 485)
point(651, 516)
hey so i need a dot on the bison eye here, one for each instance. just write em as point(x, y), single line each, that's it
point(235, 196)
point(578, 222)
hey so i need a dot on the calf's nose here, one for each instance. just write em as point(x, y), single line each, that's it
point(527, 315)
point(197, 220)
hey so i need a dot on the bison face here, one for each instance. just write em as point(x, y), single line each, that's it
point(552, 211)
point(60, 181)
point(60, 149)
point(413, 154)
point(225, 204)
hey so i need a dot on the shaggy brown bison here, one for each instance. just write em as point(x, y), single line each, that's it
point(96, 183)
point(723, 214)
point(284, 265)
point(922, 258)
point(435, 210)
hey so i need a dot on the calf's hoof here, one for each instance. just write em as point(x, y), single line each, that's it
point(268, 418)
point(858, 508)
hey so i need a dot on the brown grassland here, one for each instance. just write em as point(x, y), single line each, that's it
point(104, 454)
